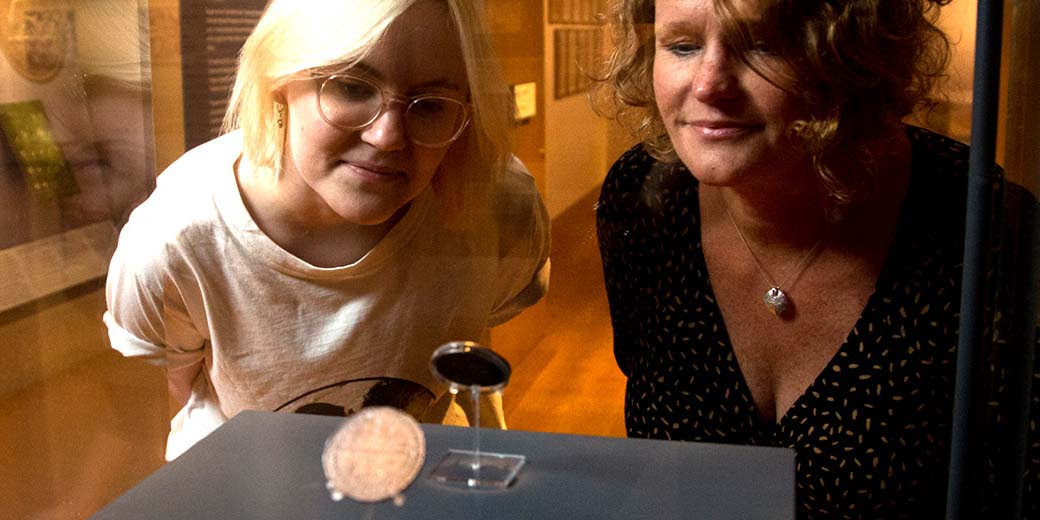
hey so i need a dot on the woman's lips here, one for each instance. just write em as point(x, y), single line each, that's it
point(721, 130)
point(373, 172)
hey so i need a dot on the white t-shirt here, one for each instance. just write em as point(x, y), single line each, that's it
point(240, 323)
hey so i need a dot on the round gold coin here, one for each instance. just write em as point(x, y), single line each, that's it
point(375, 455)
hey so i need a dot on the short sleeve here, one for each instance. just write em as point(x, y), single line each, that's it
point(524, 244)
point(147, 317)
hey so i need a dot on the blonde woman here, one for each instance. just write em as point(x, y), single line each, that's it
point(361, 209)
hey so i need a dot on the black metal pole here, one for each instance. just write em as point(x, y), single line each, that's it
point(961, 497)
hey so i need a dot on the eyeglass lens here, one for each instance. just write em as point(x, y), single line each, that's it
point(353, 103)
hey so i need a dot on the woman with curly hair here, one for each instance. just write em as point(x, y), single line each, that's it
point(782, 253)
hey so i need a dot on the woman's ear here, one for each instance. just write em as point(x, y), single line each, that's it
point(279, 95)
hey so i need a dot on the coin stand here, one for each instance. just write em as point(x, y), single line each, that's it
point(468, 367)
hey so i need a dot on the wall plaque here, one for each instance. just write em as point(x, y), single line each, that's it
point(212, 34)
point(35, 36)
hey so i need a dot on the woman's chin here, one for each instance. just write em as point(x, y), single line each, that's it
point(373, 214)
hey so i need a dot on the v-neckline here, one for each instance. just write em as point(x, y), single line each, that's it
point(765, 430)
point(744, 387)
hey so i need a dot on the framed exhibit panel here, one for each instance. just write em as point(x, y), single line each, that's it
point(75, 139)
point(212, 33)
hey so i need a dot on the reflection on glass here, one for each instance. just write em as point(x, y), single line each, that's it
point(468, 367)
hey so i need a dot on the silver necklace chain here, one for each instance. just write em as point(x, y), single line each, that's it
point(775, 298)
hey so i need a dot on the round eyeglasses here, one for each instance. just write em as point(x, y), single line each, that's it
point(352, 102)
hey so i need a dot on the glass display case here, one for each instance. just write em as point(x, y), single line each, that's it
point(97, 97)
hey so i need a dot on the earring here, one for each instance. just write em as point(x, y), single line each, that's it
point(281, 114)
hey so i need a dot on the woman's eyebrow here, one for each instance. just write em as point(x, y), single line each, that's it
point(437, 83)
point(675, 26)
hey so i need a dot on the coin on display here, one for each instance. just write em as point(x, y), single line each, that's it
point(374, 456)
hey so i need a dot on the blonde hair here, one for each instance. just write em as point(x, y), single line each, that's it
point(856, 64)
point(295, 36)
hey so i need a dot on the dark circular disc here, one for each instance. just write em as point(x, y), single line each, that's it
point(467, 365)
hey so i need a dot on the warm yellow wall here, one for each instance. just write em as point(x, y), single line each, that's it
point(48, 336)
point(167, 94)
point(579, 145)
point(958, 20)
point(516, 28)
point(1022, 54)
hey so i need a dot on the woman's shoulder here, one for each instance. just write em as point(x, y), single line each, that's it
point(939, 171)
point(630, 169)
point(635, 159)
point(937, 154)
point(637, 181)
point(940, 144)
point(198, 164)
point(183, 205)
point(514, 193)
point(515, 207)
point(517, 180)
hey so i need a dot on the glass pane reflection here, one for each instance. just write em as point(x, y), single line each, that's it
point(80, 425)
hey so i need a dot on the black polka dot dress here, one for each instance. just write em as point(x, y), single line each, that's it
point(872, 431)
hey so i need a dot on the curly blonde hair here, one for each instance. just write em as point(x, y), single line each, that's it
point(855, 65)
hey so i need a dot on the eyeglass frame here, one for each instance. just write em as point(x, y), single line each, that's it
point(388, 97)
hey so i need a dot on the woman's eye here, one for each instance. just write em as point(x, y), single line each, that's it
point(354, 90)
point(682, 49)
point(763, 47)
point(429, 107)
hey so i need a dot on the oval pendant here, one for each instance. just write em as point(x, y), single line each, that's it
point(776, 301)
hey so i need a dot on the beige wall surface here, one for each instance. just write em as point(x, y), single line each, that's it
point(167, 89)
point(516, 28)
point(580, 146)
point(1022, 48)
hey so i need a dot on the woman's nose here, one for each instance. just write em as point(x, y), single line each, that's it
point(716, 78)
point(387, 132)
